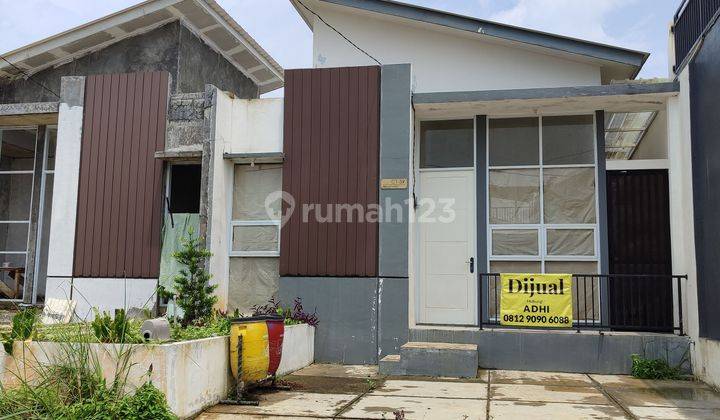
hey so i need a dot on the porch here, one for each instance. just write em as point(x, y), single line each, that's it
point(585, 180)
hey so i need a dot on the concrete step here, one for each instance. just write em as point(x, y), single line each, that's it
point(439, 359)
point(390, 365)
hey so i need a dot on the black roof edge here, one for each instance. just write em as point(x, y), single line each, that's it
point(512, 33)
point(546, 93)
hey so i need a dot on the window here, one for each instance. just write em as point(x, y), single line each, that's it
point(17, 164)
point(541, 195)
point(514, 142)
point(255, 227)
point(447, 144)
point(185, 188)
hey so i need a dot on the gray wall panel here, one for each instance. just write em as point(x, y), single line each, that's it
point(393, 315)
point(360, 317)
point(395, 120)
point(347, 309)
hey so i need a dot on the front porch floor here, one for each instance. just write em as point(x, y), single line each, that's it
point(350, 392)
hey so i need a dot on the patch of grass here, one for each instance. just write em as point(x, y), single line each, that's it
point(643, 368)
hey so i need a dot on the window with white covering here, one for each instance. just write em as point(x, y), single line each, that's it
point(542, 206)
point(255, 229)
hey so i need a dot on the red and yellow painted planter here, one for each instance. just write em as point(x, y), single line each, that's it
point(261, 339)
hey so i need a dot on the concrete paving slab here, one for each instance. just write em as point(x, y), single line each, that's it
point(339, 371)
point(223, 416)
point(289, 404)
point(663, 413)
point(555, 411)
point(330, 384)
point(667, 396)
point(382, 407)
point(540, 393)
point(539, 378)
point(436, 389)
point(621, 381)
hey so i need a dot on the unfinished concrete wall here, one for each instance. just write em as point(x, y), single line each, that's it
point(172, 47)
point(199, 65)
point(186, 118)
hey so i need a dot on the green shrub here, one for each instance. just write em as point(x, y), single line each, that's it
point(643, 368)
point(23, 328)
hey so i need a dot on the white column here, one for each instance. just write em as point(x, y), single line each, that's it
point(65, 187)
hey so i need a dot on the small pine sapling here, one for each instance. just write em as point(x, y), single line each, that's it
point(193, 291)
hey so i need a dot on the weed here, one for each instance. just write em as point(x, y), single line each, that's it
point(216, 325)
point(23, 328)
point(120, 329)
point(653, 368)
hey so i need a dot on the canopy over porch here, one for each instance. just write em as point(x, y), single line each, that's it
point(620, 97)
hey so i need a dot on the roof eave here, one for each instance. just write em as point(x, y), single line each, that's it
point(569, 45)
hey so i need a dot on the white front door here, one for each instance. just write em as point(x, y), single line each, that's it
point(445, 217)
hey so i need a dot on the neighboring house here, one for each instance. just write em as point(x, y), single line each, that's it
point(554, 159)
point(108, 129)
point(695, 42)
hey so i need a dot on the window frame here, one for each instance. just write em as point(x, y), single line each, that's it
point(542, 227)
point(265, 223)
point(31, 172)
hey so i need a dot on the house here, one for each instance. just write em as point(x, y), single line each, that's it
point(695, 63)
point(107, 132)
point(459, 148)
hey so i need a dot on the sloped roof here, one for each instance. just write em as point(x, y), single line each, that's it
point(618, 63)
point(204, 17)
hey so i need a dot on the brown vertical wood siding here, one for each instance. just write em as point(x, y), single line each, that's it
point(331, 147)
point(120, 192)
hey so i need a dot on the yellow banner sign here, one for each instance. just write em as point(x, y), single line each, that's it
point(536, 300)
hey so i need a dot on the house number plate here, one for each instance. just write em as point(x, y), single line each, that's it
point(394, 183)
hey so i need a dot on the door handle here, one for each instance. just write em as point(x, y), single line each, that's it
point(472, 264)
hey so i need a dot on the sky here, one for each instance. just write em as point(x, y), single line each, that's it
point(636, 24)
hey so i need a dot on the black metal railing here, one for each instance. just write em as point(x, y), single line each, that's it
point(619, 302)
point(690, 22)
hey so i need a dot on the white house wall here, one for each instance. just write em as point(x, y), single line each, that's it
point(242, 126)
point(256, 126)
point(682, 230)
point(654, 143)
point(442, 60)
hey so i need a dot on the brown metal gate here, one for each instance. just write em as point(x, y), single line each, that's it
point(120, 192)
point(331, 147)
point(639, 243)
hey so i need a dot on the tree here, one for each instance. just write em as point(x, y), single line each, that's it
point(193, 291)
